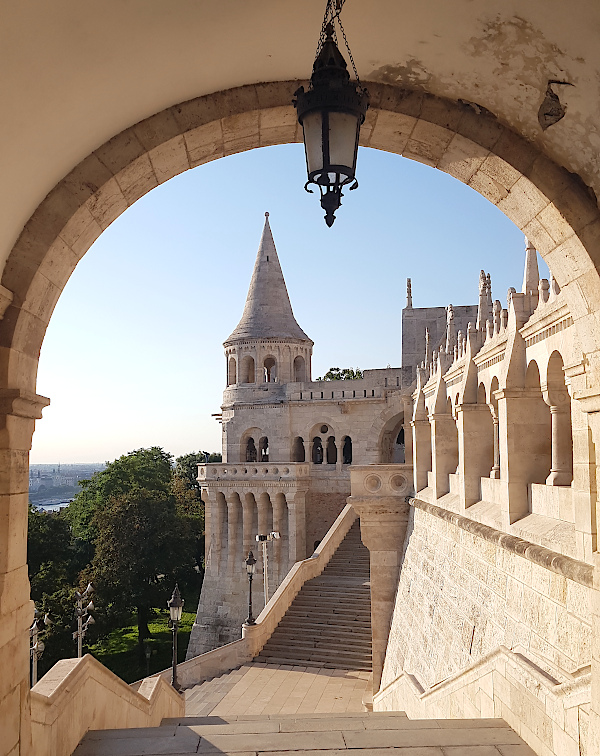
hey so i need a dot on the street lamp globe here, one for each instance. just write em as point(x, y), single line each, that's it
point(250, 564)
point(175, 605)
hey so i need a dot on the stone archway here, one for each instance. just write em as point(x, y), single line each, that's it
point(552, 207)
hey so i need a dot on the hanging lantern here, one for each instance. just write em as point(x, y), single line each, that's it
point(331, 112)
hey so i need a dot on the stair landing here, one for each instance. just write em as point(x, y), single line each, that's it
point(373, 734)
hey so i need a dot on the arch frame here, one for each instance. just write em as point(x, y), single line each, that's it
point(552, 206)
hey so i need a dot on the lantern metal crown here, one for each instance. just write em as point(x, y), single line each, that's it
point(331, 112)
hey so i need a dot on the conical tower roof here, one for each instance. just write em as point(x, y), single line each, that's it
point(268, 312)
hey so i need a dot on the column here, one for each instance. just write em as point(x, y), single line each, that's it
point(495, 471)
point(297, 527)
point(524, 445)
point(475, 450)
point(279, 569)
point(19, 409)
point(234, 558)
point(561, 472)
point(383, 525)
point(264, 505)
point(210, 531)
point(421, 453)
point(248, 505)
point(444, 452)
point(340, 455)
point(219, 531)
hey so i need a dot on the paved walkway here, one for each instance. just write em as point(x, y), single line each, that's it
point(279, 689)
point(273, 710)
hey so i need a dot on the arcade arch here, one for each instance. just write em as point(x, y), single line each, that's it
point(550, 205)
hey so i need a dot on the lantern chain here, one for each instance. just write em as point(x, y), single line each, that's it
point(333, 9)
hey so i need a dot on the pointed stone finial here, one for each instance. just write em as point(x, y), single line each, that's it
point(450, 330)
point(482, 306)
point(554, 287)
point(268, 312)
point(408, 292)
point(497, 317)
point(531, 274)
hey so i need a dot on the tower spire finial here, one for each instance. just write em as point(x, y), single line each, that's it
point(268, 312)
point(531, 274)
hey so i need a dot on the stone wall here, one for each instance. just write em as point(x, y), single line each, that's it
point(321, 512)
point(461, 597)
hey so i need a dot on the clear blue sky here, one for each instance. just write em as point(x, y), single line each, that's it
point(133, 355)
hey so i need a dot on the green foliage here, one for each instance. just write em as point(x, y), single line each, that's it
point(142, 548)
point(134, 529)
point(150, 469)
point(120, 651)
point(54, 562)
point(343, 374)
point(186, 469)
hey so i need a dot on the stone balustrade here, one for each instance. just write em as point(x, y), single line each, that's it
point(253, 471)
point(78, 695)
point(381, 480)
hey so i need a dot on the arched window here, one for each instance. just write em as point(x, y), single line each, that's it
point(231, 373)
point(270, 367)
point(317, 452)
point(538, 417)
point(298, 454)
point(250, 450)
point(561, 472)
point(331, 451)
point(347, 451)
point(299, 369)
point(263, 448)
point(248, 370)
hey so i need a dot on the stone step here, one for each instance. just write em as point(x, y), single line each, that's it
point(338, 612)
point(306, 640)
point(332, 654)
point(318, 600)
point(325, 660)
point(339, 640)
point(386, 734)
point(314, 624)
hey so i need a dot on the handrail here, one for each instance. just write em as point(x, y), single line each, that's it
point(78, 695)
point(228, 657)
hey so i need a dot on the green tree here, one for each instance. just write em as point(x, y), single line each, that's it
point(150, 469)
point(342, 374)
point(142, 548)
point(54, 560)
point(186, 469)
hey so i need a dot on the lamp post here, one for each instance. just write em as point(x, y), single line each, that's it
point(175, 610)
point(36, 645)
point(80, 613)
point(250, 568)
point(264, 540)
point(331, 112)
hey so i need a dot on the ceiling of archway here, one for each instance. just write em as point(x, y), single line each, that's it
point(82, 72)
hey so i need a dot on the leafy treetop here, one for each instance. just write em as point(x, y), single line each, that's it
point(342, 374)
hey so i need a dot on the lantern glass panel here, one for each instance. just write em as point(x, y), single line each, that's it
point(176, 612)
point(342, 139)
point(313, 141)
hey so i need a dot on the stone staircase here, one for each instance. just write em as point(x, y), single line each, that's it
point(329, 622)
point(381, 733)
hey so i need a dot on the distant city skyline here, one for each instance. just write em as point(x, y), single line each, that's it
point(133, 354)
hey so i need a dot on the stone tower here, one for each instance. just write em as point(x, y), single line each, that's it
point(266, 351)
